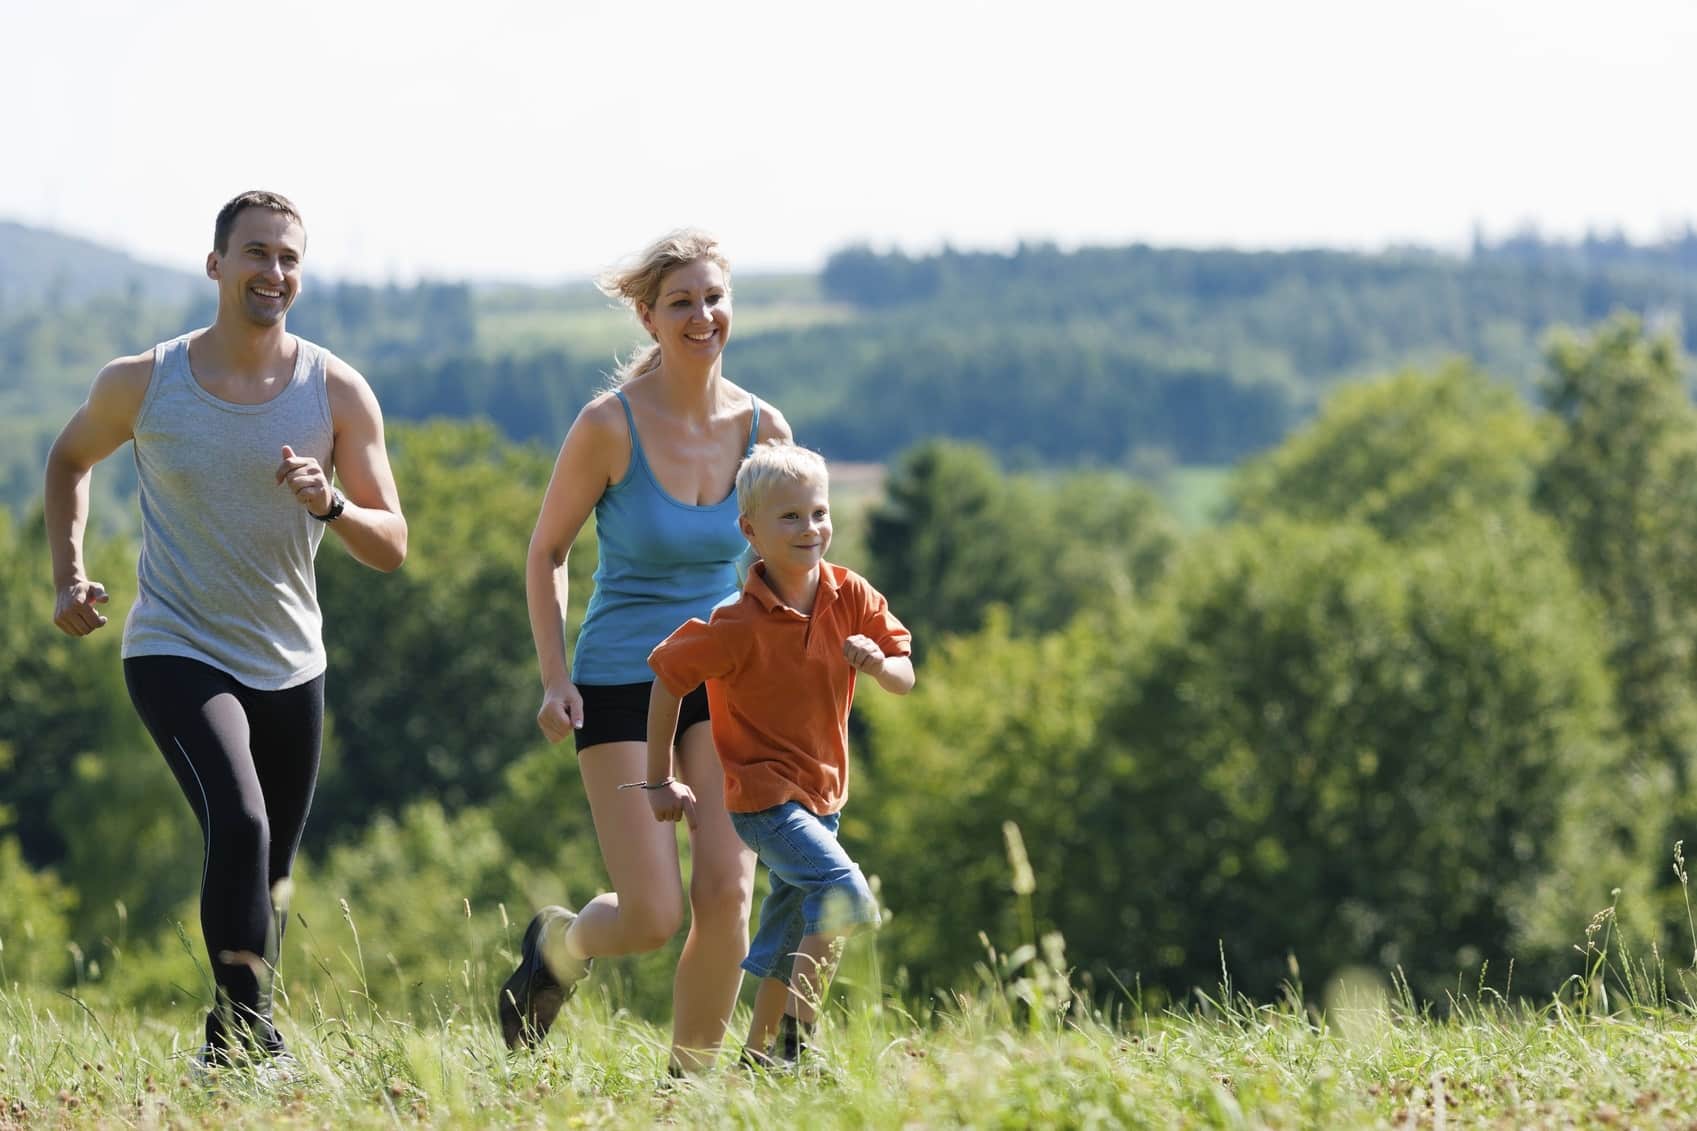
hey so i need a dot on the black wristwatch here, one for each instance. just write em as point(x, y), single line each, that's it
point(337, 505)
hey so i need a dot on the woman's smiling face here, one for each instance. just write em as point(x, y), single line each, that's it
point(691, 318)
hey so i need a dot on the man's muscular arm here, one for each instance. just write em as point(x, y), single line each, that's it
point(372, 525)
point(96, 430)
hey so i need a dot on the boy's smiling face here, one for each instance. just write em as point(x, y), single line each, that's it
point(791, 528)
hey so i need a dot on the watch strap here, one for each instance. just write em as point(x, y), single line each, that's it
point(338, 504)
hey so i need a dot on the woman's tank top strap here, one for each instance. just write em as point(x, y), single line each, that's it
point(630, 422)
point(753, 427)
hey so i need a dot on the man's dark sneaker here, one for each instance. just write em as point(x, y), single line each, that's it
point(206, 1064)
point(213, 1062)
point(280, 1071)
point(545, 980)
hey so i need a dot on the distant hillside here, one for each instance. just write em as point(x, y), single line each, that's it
point(1117, 357)
point(36, 264)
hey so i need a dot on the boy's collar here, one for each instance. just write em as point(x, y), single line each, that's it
point(757, 586)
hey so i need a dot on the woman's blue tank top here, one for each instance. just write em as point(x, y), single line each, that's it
point(661, 562)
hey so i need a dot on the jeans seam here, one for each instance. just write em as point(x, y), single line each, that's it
point(749, 832)
point(803, 850)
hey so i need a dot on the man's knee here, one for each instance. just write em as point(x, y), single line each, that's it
point(243, 831)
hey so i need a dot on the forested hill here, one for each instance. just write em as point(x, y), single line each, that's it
point(1099, 355)
point(37, 265)
point(1105, 356)
point(1305, 317)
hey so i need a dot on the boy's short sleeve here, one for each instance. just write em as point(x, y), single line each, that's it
point(696, 652)
point(879, 623)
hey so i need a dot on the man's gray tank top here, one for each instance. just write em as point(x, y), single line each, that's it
point(225, 572)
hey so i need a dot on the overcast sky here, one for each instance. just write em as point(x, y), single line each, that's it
point(541, 141)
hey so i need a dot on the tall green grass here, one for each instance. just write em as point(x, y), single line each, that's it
point(1616, 1046)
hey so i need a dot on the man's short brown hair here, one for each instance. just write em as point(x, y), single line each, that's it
point(253, 198)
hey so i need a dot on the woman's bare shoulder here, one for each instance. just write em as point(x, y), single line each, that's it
point(773, 425)
point(603, 418)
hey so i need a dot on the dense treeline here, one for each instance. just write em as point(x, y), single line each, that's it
point(1596, 249)
point(1302, 315)
point(1423, 702)
point(1103, 356)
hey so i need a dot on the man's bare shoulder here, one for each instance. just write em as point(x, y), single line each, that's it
point(120, 387)
point(342, 377)
point(123, 374)
point(352, 400)
point(108, 417)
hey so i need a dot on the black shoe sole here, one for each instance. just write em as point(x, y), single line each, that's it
point(531, 997)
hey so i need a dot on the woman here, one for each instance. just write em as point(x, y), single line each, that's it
point(655, 459)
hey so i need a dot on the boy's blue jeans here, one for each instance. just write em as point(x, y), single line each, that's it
point(815, 887)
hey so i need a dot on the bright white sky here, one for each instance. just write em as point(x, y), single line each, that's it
point(541, 141)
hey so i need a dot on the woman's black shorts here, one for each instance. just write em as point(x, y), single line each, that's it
point(618, 712)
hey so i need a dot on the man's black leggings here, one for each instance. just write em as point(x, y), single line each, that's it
point(247, 761)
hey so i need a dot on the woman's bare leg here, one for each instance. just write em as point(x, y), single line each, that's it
point(645, 907)
point(721, 888)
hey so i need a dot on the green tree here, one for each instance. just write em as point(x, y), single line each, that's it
point(1105, 540)
point(64, 697)
point(938, 541)
point(953, 536)
point(1622, 483)
point(1314, 742)
point(34, 921)
point(1401, 454)
point(1364, 753)
point(999, 727)
point(433, 686)
point(88, 794)
point(424, 890)
point(134, 865)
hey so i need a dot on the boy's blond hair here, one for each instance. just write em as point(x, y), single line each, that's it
point(777, 461)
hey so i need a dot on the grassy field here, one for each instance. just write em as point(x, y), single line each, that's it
point(975, 1062)
point(1614, 1048)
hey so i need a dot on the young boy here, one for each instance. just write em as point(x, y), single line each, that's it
point(780, 664)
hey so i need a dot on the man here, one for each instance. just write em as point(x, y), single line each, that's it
point(238, 429)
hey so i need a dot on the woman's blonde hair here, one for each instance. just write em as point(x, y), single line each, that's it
point(772, 463)
point(639, 282)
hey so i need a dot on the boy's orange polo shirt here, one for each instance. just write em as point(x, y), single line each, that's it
point(778, 687)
